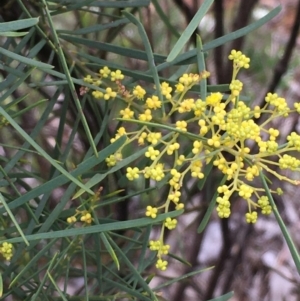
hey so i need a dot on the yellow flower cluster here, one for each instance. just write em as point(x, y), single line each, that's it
point(3, 122)
point(6, 250)
point(83, 215)
point(227, 136)
point(157, 245)
point(103, 75)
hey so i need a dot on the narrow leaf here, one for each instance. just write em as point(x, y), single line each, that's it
point(114, 226)
point(110, 250)
point(24, 59)
point(17, 25)
point(56, 287)
point(223, 298)
point(41, 151)
point(243, 31)
point(13, 34)
point(62, 179)
point(210, 209)
point(95, 28)
point(186, 35)
point(99, 177)
point(150, 55)
point(1, 285)
point(283, 228)
point(2, 201)
point(70, 82)
point(201, 67)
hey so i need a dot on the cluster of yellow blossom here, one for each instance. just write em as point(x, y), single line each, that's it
point(85, 216)
point(157, 245)
point(3, 122)
point(227, 135)
point(6, 250)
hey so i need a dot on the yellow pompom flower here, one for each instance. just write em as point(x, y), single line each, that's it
point(172, 147)
point(154, 245)
point(181, 125)
point(174, 196)
point(139, 92)
point(186, 105)
point(6, 250)
point(156, 173)
point(146, 116)
point(141, 139)
point(170, 223)
point(297, 107)
point(294, 140)
point(97, 94)
point(214, 99)
point(239, 59)
point(251, 217)
point(164, 250)
point(180, 87)
point(152, 153)
point(71, 219)
point(265, 206)
point(86, 218)
point(151, 211)
point(153, 102)
point(154, 137)
point(104, 72)
point(132, 173)
point(88, 79)
point(179, 206)
point(161, 264)
point(196, 171)
point(180, 160)
point(120, 132)
point(166, 90)
point(127, 113)
point(236, 87)
point(112, 160)
point(109, 93)
point(116, 75)
point(245, 191)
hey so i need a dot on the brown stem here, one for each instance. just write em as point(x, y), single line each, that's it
point(237, 258)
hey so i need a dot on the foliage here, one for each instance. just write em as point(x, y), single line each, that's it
point(126, 146)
